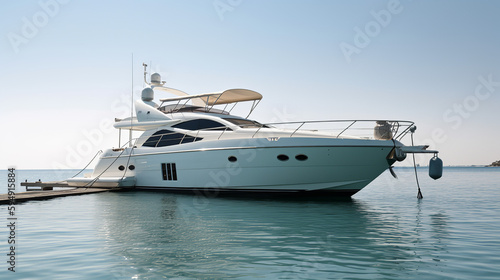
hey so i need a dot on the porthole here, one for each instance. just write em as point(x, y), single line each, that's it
point(131, 167)
point(232, 159)
point(282, 157)
point(301, 157)
point(121, 167)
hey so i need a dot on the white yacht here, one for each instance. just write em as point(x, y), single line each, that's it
point(189, 143)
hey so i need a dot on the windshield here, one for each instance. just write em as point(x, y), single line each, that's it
point(244, 123)
point(176, 108)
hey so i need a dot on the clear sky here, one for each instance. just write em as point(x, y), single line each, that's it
point(66, 68)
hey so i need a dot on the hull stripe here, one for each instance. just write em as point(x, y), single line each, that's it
point(239, 148)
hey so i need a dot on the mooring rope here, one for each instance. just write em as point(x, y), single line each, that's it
point(89, 184)
point(128, 160)
point(98, 152)
point(419, 194)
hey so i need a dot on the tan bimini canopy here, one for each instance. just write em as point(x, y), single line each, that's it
point(226, 97)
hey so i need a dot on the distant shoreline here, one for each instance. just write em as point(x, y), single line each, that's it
point(494, 164)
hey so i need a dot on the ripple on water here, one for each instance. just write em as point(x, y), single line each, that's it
point(384, 232)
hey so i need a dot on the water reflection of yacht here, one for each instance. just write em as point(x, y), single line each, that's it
point(190, 143)
point(174, 234)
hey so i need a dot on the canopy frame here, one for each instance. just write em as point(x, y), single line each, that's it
point(226, 97)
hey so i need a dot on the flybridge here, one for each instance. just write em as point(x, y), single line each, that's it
point(150, 115)
point(207, 100)
point(225, 97)
point(230, 96)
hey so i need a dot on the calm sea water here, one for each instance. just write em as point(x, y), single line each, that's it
point(383, 232)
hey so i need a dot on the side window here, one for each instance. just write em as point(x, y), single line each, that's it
point(153, 140)
point(199, 124)
point(165, 137)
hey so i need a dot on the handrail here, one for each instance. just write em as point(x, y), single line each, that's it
point(399, 129)
point(225, 129)
point(338, 135)
point(297, 129)
point(395, 126)
point(94, 180)
point(257, 131)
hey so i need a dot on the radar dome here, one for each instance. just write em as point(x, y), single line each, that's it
point(156, 78)
point(148, 94)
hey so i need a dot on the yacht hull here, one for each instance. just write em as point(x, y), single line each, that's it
point(297, 165)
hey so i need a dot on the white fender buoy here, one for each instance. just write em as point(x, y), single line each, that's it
point(435, 168)
point(399, 154)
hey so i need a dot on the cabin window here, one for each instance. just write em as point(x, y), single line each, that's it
point(301, 157)
point(232, 159)
point(165, 137)
point(200, 124)
point(282, 157)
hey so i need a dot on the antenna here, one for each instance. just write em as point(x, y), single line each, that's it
point(145, 72)
point(131, 105)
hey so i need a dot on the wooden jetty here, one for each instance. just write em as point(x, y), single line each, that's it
point(45, 190)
